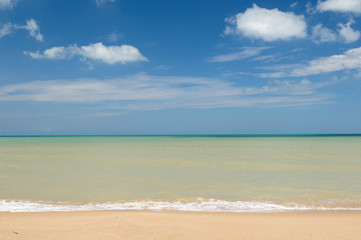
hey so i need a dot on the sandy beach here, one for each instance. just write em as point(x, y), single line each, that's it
point(179, 225)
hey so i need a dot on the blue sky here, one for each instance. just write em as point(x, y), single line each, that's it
point(179, 67)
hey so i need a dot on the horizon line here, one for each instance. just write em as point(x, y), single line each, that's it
point(191, 135)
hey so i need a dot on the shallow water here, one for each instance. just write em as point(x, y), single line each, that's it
point(297, 171)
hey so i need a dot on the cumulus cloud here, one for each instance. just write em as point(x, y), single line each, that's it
point(147, 92)
point(353, 6)
point(7, 4)
point(246, 53)
point(347, 34)
point(101, 2)
point(96, 51)
point(269, 25)
point(349, 60)
point(31, 26)
point(322, 34)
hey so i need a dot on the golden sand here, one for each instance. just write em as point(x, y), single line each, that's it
point(177, 225)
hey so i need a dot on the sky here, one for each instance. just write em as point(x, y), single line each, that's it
point(179, 67)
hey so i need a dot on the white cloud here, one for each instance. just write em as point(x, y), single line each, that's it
point(269, 25)
point(347, 34)
point(114, 37)
point(6, 29)
point(33, 29)
point(293, 5)
point(353, 6)
point(112, 54)
point(322, 34)
point(7, 4)
point(268, 58)
point(310, 9)
point(101, 2)
point(53, 53)
point(349, 60)
point(161, 68)
point(96, 51)
point(246, 53)
point(31, 26)
point(160, 92)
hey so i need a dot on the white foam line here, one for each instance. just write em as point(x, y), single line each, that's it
point(199, 206)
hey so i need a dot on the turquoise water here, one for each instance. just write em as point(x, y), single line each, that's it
point(322, 171)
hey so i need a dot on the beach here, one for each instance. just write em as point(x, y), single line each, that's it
point(182, 120)
point(180, 187)
point(338, 225)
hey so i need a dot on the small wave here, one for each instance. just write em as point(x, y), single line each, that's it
point(202, 205)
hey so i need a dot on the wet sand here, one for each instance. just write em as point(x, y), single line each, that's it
point(179, 225)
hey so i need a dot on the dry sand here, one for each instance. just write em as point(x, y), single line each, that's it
point(177, 225)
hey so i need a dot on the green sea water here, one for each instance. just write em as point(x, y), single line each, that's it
point(316, 170)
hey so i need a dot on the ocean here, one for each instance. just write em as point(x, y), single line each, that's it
point(230, 173)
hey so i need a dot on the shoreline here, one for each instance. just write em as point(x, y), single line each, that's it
point(127, 224)
point(201, 205)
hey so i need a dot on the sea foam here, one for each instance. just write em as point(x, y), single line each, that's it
point(201, 205)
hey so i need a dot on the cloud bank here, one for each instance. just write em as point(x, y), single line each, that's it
point(268, 25)
point(96, 51)
point(145, 92)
